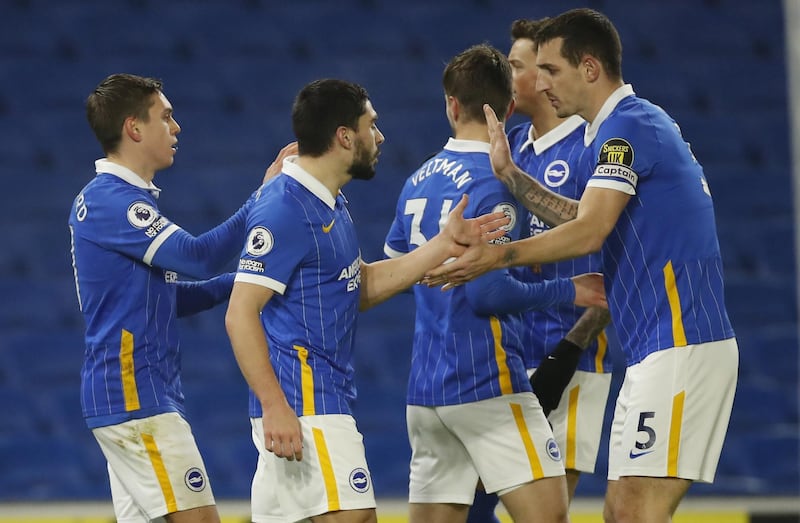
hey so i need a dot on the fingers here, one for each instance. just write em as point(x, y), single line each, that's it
point(275, 167)
point(290, 449)
point(458, 210)
point(491, 117)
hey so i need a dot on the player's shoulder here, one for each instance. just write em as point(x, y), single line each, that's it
point(110, 194)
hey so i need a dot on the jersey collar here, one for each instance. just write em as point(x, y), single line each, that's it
point(106, 166)
point(304, 178)
point(553, 136)
point(466, 146)
point(612, 101)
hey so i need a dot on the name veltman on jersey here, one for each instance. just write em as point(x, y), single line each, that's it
point(302, 244)
point(664, 289)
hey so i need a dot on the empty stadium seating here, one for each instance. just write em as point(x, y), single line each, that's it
point(231, 70)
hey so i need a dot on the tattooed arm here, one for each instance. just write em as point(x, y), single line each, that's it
point(550, 207)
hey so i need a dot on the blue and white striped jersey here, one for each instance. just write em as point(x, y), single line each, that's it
point(126, 259)
point(458, 356)
point(302, 244)
point(560, 162)
point(662, 263)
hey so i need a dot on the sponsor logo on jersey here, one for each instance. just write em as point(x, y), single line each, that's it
point(552, 450)
point(556, 173)
point(259, 241)
point(359, 480)
point(634, 455)
point(327, 228)
point(170, 276)
point(616, 150)
point(157, 227)
point(141, 214)
point(194, 479)
point(352, 273)
point(251, 265)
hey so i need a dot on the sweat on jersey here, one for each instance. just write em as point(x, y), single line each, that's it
point(662, 263)
point(126, 259)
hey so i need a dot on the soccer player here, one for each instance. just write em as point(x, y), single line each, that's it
point(649, 208)
point(126, 259)
point(557, 340)
point(470, 410)
point(292, 313)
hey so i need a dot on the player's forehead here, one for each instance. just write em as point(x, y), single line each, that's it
point(549, 52)
point(160, 104)
point(522, 49)
point(369, 116)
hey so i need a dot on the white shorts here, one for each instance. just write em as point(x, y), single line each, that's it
point(154, 467)
point(506, 441)
point(672, 413)
point(578, 421)
point(333, 474)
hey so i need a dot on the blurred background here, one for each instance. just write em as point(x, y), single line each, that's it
point(231, 69)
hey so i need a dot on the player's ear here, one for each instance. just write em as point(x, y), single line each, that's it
point(511, 107)
point(131, 128)
point(590, 67)
point(344, 136)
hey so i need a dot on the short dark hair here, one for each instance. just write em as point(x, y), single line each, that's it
point(116, 98)
point(586, 31)
point(526, 28)
point(479, 75)
point(323, 106)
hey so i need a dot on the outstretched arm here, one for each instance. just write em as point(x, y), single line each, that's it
point(550, 207)
point(597, 214)
point(383, 279)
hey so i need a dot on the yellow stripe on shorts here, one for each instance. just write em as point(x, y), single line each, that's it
point(572, 428)
point(678, 334)
point(675, 434)
point(306, 381)
point(602, 347)
point(161, 472)
point(331, 490)
point(530, 450)
point(128, 372)
point(504, 375)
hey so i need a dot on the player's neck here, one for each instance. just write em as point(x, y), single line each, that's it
point(544, 123)
point(475, 131)
point(325, 169)
point(598, 97)
point(139, 168)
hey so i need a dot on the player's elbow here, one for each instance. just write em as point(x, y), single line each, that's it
point(593, 244)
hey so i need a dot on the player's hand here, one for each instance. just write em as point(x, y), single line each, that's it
point(275, 167)
point(499, 150)
point(589, 290)
point(468, 239)
point(282, 433)
point(463, 232)
point(551, 377)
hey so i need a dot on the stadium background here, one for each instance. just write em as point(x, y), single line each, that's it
point(231, 70)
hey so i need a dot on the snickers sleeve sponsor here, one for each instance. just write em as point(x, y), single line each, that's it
point(614, 167)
